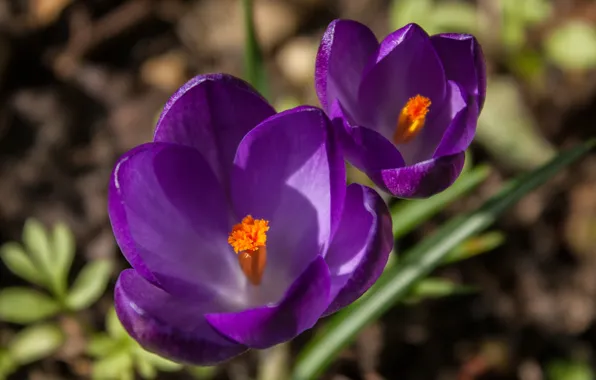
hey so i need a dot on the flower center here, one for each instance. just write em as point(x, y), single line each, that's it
point(248, 240)
point(411, 119)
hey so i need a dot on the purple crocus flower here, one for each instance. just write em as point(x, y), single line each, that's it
point(406, 108)
point(238, 225)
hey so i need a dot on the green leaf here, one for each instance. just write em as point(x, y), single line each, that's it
point(253, 57)
point(35, 239)
point(508, 130)
point(63, 249)
point(569, 370)
point(455, 17)
point(474, 246)
point(35, 343)
point(145, 368)
point(113, 325)
point(409, 214)
point(157, 361)
point(89, 285)
point(24, 305)
point(418, 262)
point(7, 364)
point(434, 287)
point(118, 366)
point(102, 345)
point(403, 12)
point(572, 46)
point(20, 264)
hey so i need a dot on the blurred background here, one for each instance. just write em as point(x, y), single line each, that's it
point(82, 81)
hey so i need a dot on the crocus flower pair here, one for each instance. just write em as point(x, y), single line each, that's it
point(237, 221)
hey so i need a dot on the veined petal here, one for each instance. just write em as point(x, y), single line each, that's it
point(171, 327)
point(290, 172)
point(424, 146)
point(171, 220)
point(405, 65)
point(360, 248)
point(212, 113)
point(422, 179)
point(363, 147)
point(464, 120)
point(463, 61)
point(300, 309)
point(345, 49)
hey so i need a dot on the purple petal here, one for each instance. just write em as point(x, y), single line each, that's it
point(361, 247)
point(364, 148)
point(212, 113)
point(461, 131)
point(345, 49)
point(405, 65)
point(263, 327)
point(168, 326)
point(290, 172)
point(424, 146)
point(463, 61)
point(171, 220)
point(423, 179)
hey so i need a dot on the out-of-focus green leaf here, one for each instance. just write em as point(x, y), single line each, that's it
point(7, 364)
point(24, 305)
point(254, 62)
point(35, 239)
point(103, 345)
point(20, 264)
point(202, 373)
point(118, 366)
point(569, 370)
point(474, 246)
point(572, 46)
point(408, 214)
point(418, 262)
point(507, 129)
point(434, 287)
point(403, 12)
point(455, 17)
point(89, 285)
point(36, 342)
point(157, 361)
point(113, 325)
point(63, 247)
point(145, 368)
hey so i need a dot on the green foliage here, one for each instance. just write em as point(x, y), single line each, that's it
point(89, 285)
point(435, 17)
point(25, 305)
point(30, 344)
point(45, 259)
point(569, 370)
point(572, 46)
point(253, 56)
point(396, 282)
point(118, 356)
point(20, 263)
point(408, 214)
point(434, 287)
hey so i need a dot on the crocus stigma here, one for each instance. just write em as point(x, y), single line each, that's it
point(405, 109)
point(238, 225)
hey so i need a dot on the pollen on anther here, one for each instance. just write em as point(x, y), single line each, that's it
point(411, 119)
point(249, 235)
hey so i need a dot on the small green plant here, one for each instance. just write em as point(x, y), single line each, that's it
point(117, 356)
point(28, 345)
point(45, 259)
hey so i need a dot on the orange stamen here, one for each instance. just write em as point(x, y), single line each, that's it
point(411, 119)
point(248, 240)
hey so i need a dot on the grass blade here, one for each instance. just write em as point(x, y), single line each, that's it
point(417, 263)
point(253, 56)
